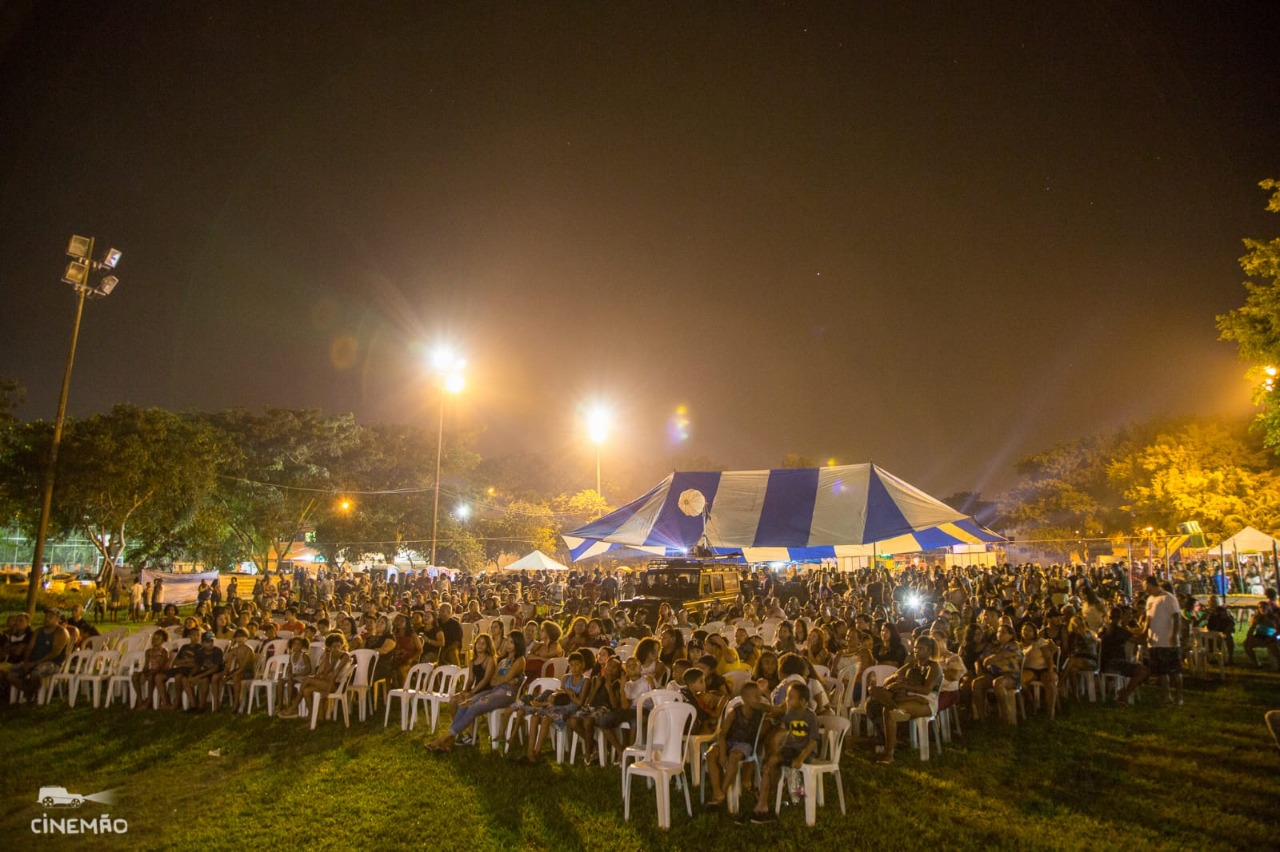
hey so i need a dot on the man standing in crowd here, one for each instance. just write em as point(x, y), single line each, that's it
point(1164, 630)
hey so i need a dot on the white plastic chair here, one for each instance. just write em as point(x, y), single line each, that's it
point(919, 727)
point(737, 679)
point(96, 643)
point(533, 687)
point(444, 682)
point(316, 650)
point(812, 774)
point(115, 637)
point(75, 664)
point(669, 725)
point(102, 666)
point(556, 667)
point(362, 681)
point(873, 676)
point(846, 681)
point(271, 680)
point(414, 682)
point(334, 699)
point(640, 750)
point(131, 662)
point(734, 793)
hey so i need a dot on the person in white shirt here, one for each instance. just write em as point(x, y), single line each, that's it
point(1164, 629)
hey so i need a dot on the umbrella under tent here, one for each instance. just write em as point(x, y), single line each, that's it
point(806, 514)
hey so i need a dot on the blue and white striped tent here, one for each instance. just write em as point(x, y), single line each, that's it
point(804, 514)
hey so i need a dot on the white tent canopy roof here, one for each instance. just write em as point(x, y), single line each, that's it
point(536, 561)
point(1248, 540)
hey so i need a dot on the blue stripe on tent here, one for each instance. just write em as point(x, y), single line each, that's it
point(811, 554)
point(787, 512)
point(606, 525)
point(884, 519)
point(674, 528)
point(934, 537)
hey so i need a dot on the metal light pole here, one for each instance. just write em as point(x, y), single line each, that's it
point(598, 419)
point(449, 368)
point(435, 507)
point(78, 275)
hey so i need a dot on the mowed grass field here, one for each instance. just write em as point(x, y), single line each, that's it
point(1201, 776)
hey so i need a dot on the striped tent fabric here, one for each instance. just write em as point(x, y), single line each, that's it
point(802, 514)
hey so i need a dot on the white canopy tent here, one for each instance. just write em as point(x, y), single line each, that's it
point(536, 561)
point(1248, 540)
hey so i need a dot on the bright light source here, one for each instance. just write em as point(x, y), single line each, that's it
point(108, 284)
point(344, 505)
point(464, 511)
point(598, 419)
point(445, 360)
point(1269, 370)
point(78, 247)
point(112, 258)
point(454, 383)
point(913, 601)
point(77, 273)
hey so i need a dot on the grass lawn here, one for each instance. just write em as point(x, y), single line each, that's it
point(1201, 776)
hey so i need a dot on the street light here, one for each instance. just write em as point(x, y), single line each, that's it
point(79, 275)
point(448, 366)
point(598, 421)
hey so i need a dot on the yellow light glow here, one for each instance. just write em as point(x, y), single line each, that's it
point(344, 505)
point(598, 419)
point(454, 383)
point(1269, 370)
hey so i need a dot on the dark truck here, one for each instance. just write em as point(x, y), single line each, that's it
point(689, 584)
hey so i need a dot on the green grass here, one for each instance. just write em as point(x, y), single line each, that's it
point(1201, 776)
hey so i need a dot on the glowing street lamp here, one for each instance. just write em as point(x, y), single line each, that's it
point(598, 421)
point(79, 274)
point(448, 366)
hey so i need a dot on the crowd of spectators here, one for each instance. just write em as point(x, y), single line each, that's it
point(961, 639)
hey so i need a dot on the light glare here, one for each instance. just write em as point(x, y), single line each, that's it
point(598, 424)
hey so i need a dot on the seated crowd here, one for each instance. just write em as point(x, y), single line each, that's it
point(973, 641)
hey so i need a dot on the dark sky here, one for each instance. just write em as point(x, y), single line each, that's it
point(938, 236)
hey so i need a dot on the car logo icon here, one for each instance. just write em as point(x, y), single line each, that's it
point(58, 797)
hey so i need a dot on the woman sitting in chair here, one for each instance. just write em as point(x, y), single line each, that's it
point(1040, 665)
point(333, 664)
point(999, 671)
point(501, 693)
point(912, 690)
point(1083, 650)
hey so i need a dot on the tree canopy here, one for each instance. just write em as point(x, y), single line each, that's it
point(1255, 325)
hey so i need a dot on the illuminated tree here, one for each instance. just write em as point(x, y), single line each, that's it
point(1255, 326)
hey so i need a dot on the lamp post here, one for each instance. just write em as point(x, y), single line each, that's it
point(598, 431)
point(79, 274)
point(448, 367)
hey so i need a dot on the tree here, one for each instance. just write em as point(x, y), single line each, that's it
point(278, 475)
point(131, 473)
point(12, 396)
point(1255, 326)
point(795, 460)
point(1207, 470)
point(524, 525)
point(1064, 490)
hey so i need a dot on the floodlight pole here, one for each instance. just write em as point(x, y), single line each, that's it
point(435, 508)
point(46, 494)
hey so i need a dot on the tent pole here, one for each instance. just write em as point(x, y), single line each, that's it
point(1275, 561)
point(1235, 550)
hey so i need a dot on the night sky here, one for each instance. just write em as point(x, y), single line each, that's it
point(936, 236)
